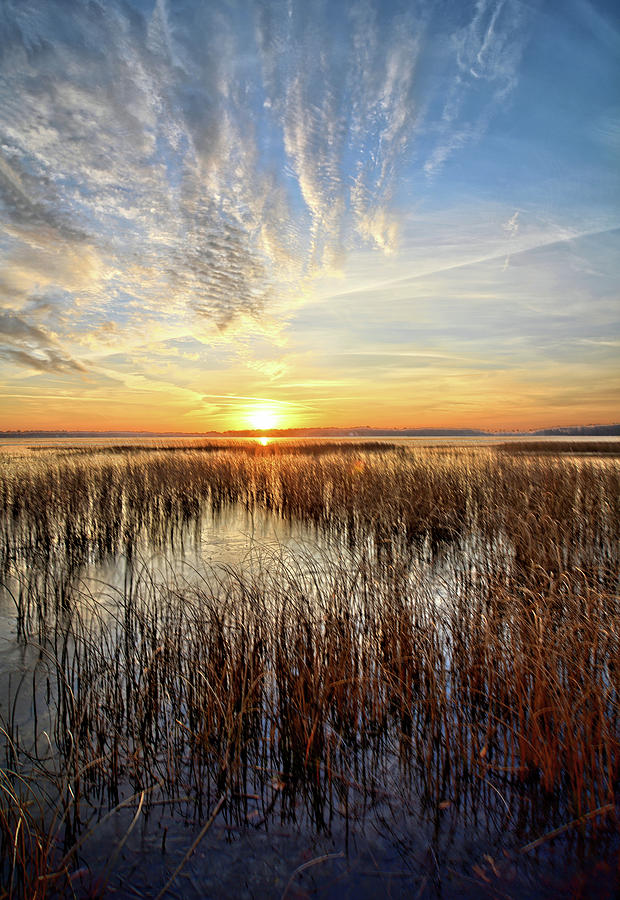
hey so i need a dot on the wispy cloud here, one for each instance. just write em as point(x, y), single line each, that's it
point(33, 348)
point(209, 159)
point(487, 53)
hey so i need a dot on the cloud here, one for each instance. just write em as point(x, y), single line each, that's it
point(340, 87)
point(26, 346)
point(27, 213)
point(205, 162)
point(487, 55)
point(486, 48)
point(511, 226)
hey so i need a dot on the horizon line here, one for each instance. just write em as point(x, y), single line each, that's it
point(309, 430)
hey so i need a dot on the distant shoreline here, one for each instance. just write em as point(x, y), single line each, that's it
point(363, 432)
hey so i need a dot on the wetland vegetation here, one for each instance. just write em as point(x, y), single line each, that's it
point(421, 698)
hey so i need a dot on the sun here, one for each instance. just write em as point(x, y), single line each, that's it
point(263, 418)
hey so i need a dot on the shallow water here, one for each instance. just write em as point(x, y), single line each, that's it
point(22, 443)
point(389, 846)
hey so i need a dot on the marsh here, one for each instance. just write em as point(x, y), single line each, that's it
point(309, 669)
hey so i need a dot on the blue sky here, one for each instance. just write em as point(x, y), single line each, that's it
point(220, 214)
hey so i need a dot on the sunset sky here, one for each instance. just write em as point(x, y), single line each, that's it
point(254, 213)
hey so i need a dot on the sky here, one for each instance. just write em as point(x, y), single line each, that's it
point(230, 214)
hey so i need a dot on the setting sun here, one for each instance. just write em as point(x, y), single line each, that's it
point(263, 418)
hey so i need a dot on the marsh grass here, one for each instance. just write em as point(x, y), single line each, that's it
point(453, 646)
point(594, 448)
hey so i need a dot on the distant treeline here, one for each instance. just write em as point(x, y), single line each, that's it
point(582, 430)
point(363, 431)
